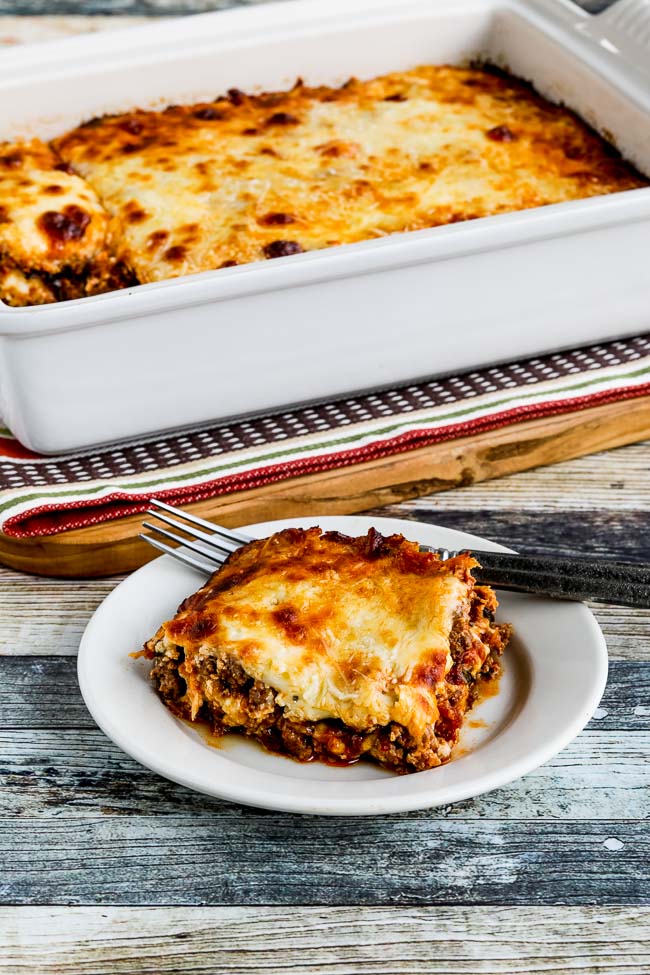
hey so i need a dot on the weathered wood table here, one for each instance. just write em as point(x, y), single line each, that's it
point(107, 868)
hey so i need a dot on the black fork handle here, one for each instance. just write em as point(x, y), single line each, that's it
point(599, 580)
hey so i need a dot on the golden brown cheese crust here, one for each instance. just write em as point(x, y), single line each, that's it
point(54, 232)
point(246, 178)
point(332, 636)
point(150, 195)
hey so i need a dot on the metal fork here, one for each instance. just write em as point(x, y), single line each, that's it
point(599, 580)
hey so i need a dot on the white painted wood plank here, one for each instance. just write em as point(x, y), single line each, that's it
point(46, 616)
point(337, 941)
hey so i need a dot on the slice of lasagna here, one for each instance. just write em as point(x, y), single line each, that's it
point(326, 647)
point(54, 232)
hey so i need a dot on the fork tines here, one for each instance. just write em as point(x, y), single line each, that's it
point(215, 543)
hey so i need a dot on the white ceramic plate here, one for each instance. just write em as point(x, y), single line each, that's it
point(555, 671)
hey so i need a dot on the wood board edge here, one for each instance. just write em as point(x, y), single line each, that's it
point(113, 547)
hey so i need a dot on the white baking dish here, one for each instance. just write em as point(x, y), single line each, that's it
point(320, 324)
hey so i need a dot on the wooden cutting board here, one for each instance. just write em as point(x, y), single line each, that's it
point(114, 546)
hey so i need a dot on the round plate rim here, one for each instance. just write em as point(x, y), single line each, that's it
point(402, 799)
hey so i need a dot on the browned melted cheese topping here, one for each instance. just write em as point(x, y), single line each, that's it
point(257, 177)
point(54, 232)
point(348, 634)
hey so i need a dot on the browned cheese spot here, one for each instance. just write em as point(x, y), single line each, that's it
point(157, 238)
point(64, 226)
point(276, 219)
point(201, 628)
point(431, 673)
point(282, 248)
point(131, 125)
point(136, 215)
point(174, 254)
point(13, 160)
point(337, 148)
point(501, 133)
point(287, 619)
point(282, 118)
point(209, 114)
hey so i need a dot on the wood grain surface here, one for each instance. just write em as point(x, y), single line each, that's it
point(548, 876)
point(156, 8)
point(339, 941)
point(114, 546)
point(557, 861)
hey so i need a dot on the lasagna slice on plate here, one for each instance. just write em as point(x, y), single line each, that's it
point(321, 646)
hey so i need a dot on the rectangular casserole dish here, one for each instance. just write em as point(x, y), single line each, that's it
point(322, 324)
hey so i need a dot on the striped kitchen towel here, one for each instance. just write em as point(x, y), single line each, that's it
point(45, 495)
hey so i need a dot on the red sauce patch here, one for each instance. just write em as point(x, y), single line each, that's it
point(276, 219)
point(501, 133)
point(61, 227)
point(282, 248)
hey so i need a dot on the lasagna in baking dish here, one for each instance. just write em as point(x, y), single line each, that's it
point(149, 195)
point(321, 646)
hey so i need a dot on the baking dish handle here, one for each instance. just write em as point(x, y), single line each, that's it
point(623, 29)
